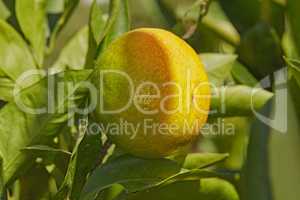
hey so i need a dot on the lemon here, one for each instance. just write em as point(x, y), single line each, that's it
point(154, 93)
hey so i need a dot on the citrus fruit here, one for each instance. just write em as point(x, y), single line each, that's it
point(154, 92)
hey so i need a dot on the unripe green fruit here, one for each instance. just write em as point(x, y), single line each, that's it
point(164, 78)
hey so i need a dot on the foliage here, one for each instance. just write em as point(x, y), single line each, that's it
point(240, 42)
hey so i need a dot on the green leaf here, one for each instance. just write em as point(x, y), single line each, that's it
point(2, 187)
point(55, 6)
point(277, 17)
point(167, 16)
point(131, 172)
point(117, 24)
point(233, 138)
point(294, 89)
point(73, 54)
point(255, 180)
point(96, 30)
point(294, 67)
point(136, 174)
point(11, 43)
point(69, 7)
point(294, 16)
point(194, 174)
point(242, 13)
point(39, 179)
point(4, 11)
point(150, 12)
point(218, 66)
point(6, 89)
point(241, 75)
point(42, 149)
point(294, 82)
point(32, 128)
point(202, 160)
point(206, 189)
point(264, 57)
point(31, 15)
point(238, 101)
point(83, 161)
point(97, 23)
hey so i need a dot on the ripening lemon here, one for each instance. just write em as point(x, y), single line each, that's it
point(154, 93)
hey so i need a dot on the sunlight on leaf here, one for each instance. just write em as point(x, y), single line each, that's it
point(15, 57)
point(74, 52)
point(4, 12)
point(218, 66)
point(33, 25)
point(238, 100)
point(202, 160)
point(31, 129)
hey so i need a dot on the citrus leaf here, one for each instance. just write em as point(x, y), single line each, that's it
point(41, 149)
point(33, 25)
point(83, 160)
point(294, 82)
point(294, 67)
point(74, 52)
point(55, 6)
point(136, 175)
point(276, 16)
point(218, 66)
point(32, 128)
point(238, 101)
point(244, 14)
point(194, 174)
point(241, 75)
point(131, 172)
point(202, 160)
point(4, 12)
point(96, 31)
point(117, 24)
point(264, 57)
point(11, 43)
point(294, 15)
point(163, 11)
point(49, 155)
point(6, 89)
point(2, 187)
point(206, 188)
point(294, 89)
point(69, 7)
point(97, 23)
point(257, 162)
point(39, 179)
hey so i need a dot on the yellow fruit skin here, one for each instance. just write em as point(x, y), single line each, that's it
point(156, 56)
